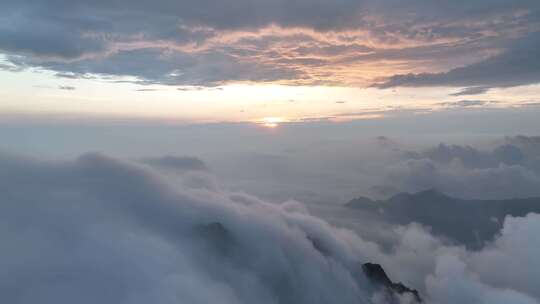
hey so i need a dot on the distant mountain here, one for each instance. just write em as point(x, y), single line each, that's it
point(471, 222)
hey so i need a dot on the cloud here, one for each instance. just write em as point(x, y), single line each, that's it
point(298, 43)
point(298, 165)
point(443, 153)
point(103, 229)
point(517, 65)
point(33, 34)
point(510, 151)
point(528, 144)
point(451, 274)
point(180, 163)
point(155, 66)
point(471, 91)
point(453, 284)
point(147, 90)
point(467, 103)
point(503, 181)
point(514, 251)
point(507, 169)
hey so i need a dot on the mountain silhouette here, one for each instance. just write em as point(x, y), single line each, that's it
point(376, 275)
point(470, 222)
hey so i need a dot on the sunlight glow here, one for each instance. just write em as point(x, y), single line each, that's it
point(272, 122)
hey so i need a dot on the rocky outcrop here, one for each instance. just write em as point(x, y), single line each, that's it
point(376, 274)
point(216, 237)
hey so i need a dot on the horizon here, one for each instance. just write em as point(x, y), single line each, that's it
point(270, 151)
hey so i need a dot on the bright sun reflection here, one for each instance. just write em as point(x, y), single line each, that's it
point(272, 122)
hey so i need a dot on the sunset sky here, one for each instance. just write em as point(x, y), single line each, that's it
point(269, 151)
point(254, 61)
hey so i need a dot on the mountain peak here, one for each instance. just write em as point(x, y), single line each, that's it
point(376, 274)
point(424, 194)
point(432, 192)
point(360, 201)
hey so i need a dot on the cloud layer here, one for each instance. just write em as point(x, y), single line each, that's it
point(509, 170)
point(100, 229)
point(302, 42)
point(518, 65)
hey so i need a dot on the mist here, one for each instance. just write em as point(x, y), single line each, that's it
point(168, 229)
point(137, 213)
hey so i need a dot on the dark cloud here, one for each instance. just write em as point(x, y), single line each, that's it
point(47, 34)
point(309, 41)
point(518, 65)
point(180, 163)
point(513, 150)
point(155, 66)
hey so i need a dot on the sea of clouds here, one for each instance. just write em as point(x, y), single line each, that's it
point(102, 229)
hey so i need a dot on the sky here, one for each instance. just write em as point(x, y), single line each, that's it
point(253, 61)
point(261, 151)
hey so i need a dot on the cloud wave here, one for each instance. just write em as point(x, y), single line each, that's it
point(100, 229)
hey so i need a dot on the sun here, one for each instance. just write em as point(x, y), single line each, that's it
point(272, 122)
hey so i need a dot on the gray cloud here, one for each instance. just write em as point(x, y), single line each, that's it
point(157, 66)
point(107, 230)
point(78, 39)
point(495, 182)
point(480, 220)
point(47, 34)
point(518, 65)
point(471, 91)
point(100, 229)
point(180, 163)
point(507, 170)
point(511, 151)
point(467, 103)
point(456, 275)
point(467, 155)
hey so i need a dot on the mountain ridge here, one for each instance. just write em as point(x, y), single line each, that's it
point(470, 222)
